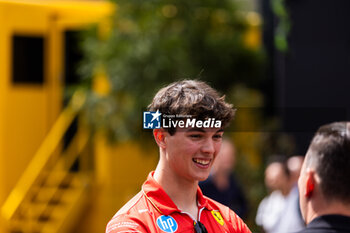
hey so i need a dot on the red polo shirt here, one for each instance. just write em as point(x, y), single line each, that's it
point(152, 210)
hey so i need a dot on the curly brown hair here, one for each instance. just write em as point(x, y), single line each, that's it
point(194, 98)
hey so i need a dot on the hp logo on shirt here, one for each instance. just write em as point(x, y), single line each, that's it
point(167, 223)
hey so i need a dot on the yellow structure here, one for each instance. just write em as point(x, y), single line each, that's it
point(45, 185)
point(28, 109)
point(36, 174)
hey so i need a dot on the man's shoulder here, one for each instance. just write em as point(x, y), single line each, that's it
point(328, 224)
point(132, 205)
point(320, 230)
point(215, 205)
point(130, 217)
point(228, 215)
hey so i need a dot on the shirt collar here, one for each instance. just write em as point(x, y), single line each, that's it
point(340, 222)
point(160, 199)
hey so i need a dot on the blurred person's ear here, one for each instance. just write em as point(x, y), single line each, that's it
point(310, 183)
point(159, 137)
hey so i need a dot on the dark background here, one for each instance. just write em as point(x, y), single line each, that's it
point(311, 81)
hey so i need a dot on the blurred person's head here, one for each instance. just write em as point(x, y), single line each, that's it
point(277, 177)
point(225, 160)
point(294, 165)
point(324, 179)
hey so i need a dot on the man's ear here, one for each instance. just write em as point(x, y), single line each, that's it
point(159, 136)
point(310, 183)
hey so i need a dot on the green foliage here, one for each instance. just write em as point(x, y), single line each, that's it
point(283, 26)
point(155, 42)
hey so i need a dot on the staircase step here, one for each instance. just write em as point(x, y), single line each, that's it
point(52, 206)
point(26, 226)
point(63, 215)
point(55, 178)
point(52, 192)
point(49, 218)
point(45, 194)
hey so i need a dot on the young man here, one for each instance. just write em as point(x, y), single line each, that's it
point(324, 186)
point(170, 199)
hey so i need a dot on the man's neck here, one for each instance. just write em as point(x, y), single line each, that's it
point(181, 191)
point(328, 208)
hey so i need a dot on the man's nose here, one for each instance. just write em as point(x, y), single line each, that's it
point(208, 146)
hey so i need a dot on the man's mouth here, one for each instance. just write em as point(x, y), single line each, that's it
point(201, 161)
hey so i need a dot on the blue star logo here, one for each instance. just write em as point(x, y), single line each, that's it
point(151, 120)
point(156, 115)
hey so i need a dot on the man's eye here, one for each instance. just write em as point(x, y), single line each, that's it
point(217, 136)
point(195, 135)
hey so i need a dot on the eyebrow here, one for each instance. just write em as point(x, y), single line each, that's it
point(195, 130)
point(202, 130)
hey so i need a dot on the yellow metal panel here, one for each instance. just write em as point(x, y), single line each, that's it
point(28, 111)
point(3, 73)
point(33, 14)
point(26, 19)
point(25, 106)
point(54, 71)
point(68, 13)
point(25, 128)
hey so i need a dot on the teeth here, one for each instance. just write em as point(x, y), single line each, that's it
point(201, 161)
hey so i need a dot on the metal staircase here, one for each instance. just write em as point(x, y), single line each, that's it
point(50, 194)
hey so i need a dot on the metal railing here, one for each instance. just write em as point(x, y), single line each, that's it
point(45, 156)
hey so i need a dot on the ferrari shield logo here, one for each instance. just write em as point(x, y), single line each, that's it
point(216, 214)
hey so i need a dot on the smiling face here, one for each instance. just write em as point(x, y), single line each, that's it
point(190, 153)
